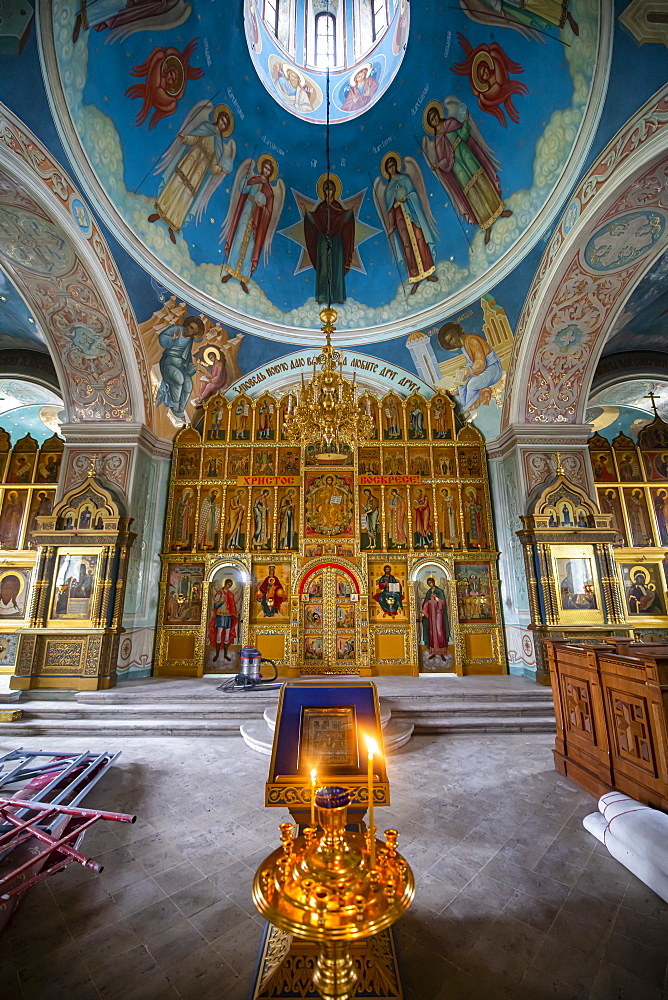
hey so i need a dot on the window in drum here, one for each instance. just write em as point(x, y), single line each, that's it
point(270, 15)
point(378, 18)
point(325, 40)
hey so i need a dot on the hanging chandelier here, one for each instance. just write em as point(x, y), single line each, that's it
point(327, 412)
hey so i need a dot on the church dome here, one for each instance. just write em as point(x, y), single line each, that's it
point(440, 184)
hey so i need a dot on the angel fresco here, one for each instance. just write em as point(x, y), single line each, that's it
point(488, 68)
point(189, 180)
point(167, 73)
point(531, 18)
point(463, 163)
point(124, 18)
point(256, 204)
point(403, 207)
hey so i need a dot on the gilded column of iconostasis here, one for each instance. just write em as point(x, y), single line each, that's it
point(632, 487)
point(378, 559)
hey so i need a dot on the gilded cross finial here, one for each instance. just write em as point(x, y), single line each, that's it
point(93, 466)
point(651, 395)
point(559, 469)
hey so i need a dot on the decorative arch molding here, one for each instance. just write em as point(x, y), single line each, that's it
point(613, 230)
point(70, 282)
point(442, 565)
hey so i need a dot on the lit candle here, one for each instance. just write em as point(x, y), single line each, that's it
point(314, 776)
point(372, 748)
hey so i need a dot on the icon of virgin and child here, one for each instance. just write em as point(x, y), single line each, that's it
point(270, 594)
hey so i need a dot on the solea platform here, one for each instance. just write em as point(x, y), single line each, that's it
point(432, 703)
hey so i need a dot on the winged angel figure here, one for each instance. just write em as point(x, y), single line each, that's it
point(464, 164)
point(403, 207)
point(532, 18)
point(256, 204)
point(190, 180)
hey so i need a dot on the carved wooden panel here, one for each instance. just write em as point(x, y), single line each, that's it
point(578, 714)
point(632, 737)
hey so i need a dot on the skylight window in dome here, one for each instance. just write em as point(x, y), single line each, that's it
point(325, 41)
point(303, 49)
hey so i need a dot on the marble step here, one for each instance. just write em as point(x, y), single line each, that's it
point(230, 726)
point(244, 706)
point(205, 689)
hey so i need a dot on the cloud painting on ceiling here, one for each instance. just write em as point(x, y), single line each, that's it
point(437, 188)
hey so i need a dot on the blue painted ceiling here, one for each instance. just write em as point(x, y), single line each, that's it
point(523, 132)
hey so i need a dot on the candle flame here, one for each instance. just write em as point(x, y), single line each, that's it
point(314, 774)
point(371, 746)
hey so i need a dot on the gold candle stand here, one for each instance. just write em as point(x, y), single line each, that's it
point(321, 887)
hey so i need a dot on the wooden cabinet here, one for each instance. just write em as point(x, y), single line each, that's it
point(612, 718)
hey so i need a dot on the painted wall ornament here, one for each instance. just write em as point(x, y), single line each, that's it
point(167, 72)
point(624, 240)
point(488, 68)
point(190, 180)
point(213, 356)
point(337, 218)
point(256, 204)
point(463, 163)
point(361, 88)
point(296, 89)
point(404, 210)
point(34, 242)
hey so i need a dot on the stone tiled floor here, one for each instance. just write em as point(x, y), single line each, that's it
point(514, 899)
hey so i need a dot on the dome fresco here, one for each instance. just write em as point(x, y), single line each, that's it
point(439, 186)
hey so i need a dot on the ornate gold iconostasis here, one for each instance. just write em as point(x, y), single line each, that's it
point(67, 627)
point(28, 483)
point(632, 488)
point(379, 559)
point(574, 592)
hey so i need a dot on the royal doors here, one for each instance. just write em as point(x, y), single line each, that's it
point(332, 635)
